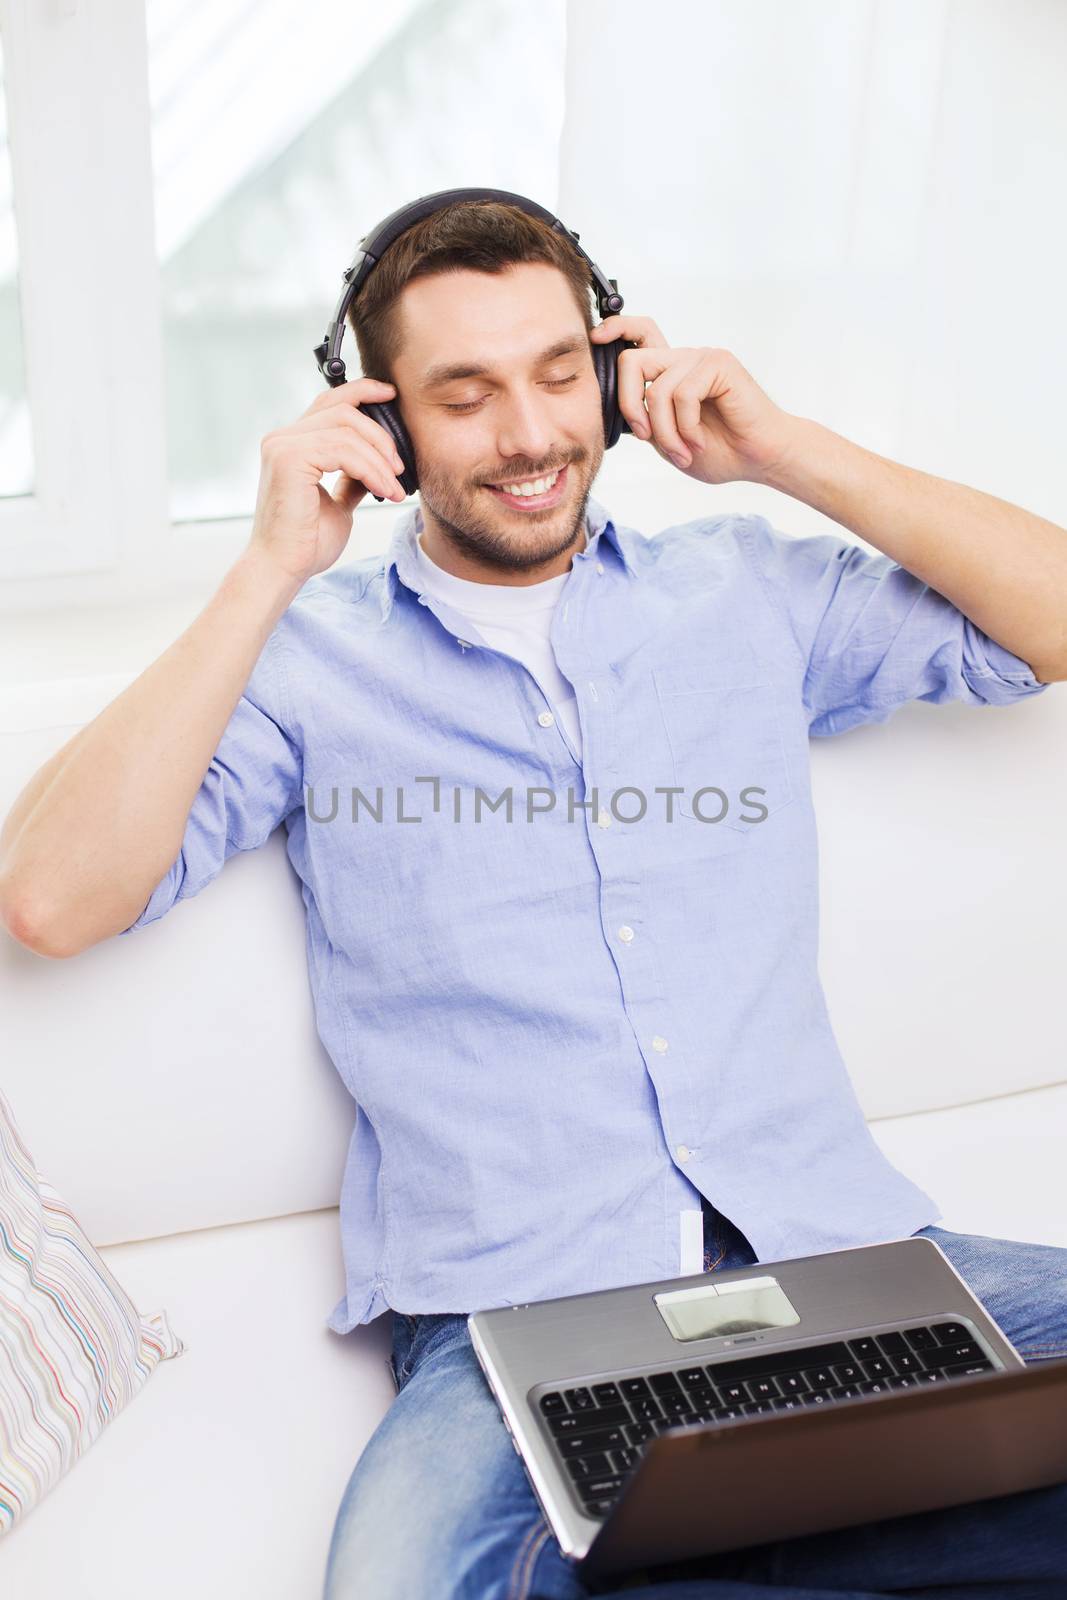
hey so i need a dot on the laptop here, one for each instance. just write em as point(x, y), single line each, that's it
point(669, 1420)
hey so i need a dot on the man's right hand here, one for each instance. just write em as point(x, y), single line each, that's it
point(299, 526)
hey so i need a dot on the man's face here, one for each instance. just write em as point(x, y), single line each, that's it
point(496, 385)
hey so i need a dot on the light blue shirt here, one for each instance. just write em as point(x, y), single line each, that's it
point(560, 1030)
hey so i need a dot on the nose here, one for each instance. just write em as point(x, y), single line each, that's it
point(526, 426)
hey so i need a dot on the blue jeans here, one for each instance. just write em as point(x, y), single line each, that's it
point(439, 1508)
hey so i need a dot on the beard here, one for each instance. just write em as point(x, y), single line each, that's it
point(483, 528)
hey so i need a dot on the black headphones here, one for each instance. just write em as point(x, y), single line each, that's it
point(371, 248)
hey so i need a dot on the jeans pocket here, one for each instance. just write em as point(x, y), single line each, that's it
point(402, 1355)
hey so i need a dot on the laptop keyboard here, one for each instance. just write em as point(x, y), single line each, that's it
point(600, 1429)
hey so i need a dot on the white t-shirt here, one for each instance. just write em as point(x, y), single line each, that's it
point(514, 618)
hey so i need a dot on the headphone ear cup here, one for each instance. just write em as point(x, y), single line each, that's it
point(387, 414)
point(606, 366)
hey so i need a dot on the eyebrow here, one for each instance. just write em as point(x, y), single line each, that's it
point(448, 372)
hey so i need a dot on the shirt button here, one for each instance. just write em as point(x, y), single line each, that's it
point(659, 1043)
point(626, 933)
point(546, 719)
point(603, 819)
point(600, 566)
point(683, 1152)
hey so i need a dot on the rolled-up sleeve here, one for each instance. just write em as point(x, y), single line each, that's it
point(871, 635)
point(254, 780)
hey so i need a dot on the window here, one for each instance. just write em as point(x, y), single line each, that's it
point(191, 179)
point(273, 154)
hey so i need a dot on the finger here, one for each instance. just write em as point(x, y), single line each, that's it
point(660, 402)
point(642, 330)
point(636, 368)
point(689, 395)
point(353, 390)
point(342, 415)
point(340, 450)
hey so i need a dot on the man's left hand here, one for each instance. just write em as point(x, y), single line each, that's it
point(699, 409)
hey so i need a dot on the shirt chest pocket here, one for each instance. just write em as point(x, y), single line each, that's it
point(726, 749)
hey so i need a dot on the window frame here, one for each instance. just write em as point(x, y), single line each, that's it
point(96, 525)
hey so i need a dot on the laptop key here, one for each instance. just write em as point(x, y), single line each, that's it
point(584, 1444)
point(818, 1397)
point(820, 1378)
point(935, 1358)
point(675, 1405)
point(579, 1399)
point(598, 1508)
point(892, 1343)
point(646, 1410)
point(623, 1460)
point(733, 1394)
point(849, 1372)
point(950, 1332)
point(763, 1389)
point(552, 1403)
point(878, 1368)
point(904, 1361)
point(727, 1413)
point(583, 1421)
point(570, 1422)
point(795, 1382)
point(863, 1349)
point(904, 1380)
point(594, 1464)
point(966, 1350)
point(968, 1368)
point(606, 1394)
point(635, 1388)
point(920, 1338)
point(875, 1386)
point(599, 1488)
point(664, 1383)
point(694, 1378)
point(639, 1432)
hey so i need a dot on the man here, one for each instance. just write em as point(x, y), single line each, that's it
point(546, 785)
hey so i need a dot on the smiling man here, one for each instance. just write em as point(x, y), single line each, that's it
point(508, 445)
point(577, 1004)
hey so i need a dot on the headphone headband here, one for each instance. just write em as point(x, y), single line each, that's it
point(373, 246)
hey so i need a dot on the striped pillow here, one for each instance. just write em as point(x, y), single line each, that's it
point(73, 1348)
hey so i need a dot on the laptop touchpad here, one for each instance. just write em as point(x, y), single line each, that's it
point(711, 1311)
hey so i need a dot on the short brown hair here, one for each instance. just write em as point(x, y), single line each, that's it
point(476, 235)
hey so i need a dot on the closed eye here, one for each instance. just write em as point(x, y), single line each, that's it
point(550, 383)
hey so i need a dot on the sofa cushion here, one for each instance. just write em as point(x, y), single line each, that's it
point(195, 1089)
point(226, 1477)
point(74, 1350)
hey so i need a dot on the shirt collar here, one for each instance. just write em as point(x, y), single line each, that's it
point(400, 561)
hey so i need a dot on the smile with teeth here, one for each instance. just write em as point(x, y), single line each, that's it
point(530, 488)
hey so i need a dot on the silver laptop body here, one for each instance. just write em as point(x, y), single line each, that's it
point(667, 1420)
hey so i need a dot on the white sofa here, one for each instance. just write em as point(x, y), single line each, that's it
point(172, 1086)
